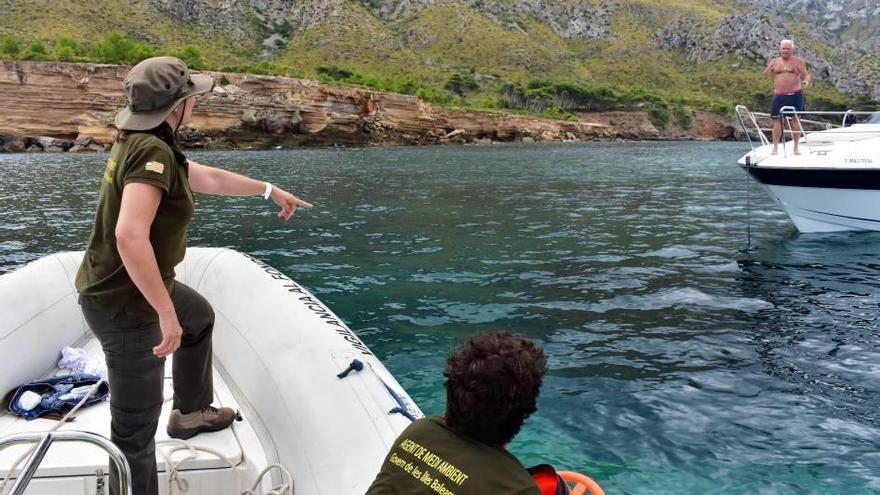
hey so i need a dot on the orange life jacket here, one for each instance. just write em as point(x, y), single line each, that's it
point(549, 483)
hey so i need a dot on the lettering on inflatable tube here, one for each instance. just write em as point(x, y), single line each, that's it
point(314, 305)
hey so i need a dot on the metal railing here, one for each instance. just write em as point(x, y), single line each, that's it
point(45, 440)
point(806, 122)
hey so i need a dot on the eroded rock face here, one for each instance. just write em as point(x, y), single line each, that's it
point(64, 106)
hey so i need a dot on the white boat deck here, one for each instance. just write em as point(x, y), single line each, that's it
point(66, 459)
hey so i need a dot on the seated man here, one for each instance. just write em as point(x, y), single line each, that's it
point(492, 385)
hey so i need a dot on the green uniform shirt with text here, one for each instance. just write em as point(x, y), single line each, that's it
point(141, 157)
point(428, 458)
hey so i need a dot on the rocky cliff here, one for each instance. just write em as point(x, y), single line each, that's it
point(64, 106)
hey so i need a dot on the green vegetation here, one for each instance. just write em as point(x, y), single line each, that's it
point(555, 99)
point(192, 56)
point(461, 83)
point(35, 51)
point(9, 47)
point(406, 85)
point(448, 54)
point(68, 49)
point(118, 48)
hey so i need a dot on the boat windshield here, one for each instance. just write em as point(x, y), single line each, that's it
point(875, 118)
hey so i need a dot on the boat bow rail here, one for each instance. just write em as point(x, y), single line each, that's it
point(818, 129)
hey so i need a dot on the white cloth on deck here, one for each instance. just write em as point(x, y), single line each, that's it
point(78, 361)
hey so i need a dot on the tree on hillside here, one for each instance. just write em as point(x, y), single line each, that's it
point(461, 82)
point(334, 73)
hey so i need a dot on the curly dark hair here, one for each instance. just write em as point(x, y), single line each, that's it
point(492, 385)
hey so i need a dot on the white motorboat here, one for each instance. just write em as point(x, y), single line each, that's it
point(834, 183)
point(277, 353)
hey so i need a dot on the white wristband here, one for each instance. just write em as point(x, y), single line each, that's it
point(268, 191)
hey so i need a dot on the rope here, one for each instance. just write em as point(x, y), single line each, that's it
point(55, 428)
point(748, 203)
point(284, 488)
point(401, 406)
point(173, 469)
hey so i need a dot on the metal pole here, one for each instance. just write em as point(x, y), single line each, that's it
point(742, 123)
point(116, 455)
point(30, 467)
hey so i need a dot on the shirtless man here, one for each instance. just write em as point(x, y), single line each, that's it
point(790, 76)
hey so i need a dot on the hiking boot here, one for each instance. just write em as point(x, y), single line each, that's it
point(185, 426)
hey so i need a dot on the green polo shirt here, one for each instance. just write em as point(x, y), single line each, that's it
point(428, 458)
point(141, 157)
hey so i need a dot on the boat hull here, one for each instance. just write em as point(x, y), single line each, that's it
point(824, 200)
point(833, 184)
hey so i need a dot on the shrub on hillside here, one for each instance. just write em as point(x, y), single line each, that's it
point(68, 49)
point(9, 47)
point(684, 116)
point(283, 28)
point(405, 85)
point(36, 50)
point(333, 72)
point(192, 56)
point(265, 68)
point(431, 95)
point(118, 48)
point(659, 116)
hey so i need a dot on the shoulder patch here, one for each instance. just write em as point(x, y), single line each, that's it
point(155, 167)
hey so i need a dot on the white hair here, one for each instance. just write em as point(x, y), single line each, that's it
point(786, 42)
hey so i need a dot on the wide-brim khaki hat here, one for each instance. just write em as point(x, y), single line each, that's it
point(153, 88)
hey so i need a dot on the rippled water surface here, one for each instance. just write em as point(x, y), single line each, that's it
point(680, 362)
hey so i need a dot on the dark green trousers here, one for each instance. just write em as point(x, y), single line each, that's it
point(136, 376)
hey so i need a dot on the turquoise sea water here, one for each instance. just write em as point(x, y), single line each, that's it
point(680, 363)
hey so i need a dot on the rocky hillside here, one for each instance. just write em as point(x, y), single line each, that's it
point(77, 103)
point(696, 53)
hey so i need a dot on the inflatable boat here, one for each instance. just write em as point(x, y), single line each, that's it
point(277, 353)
